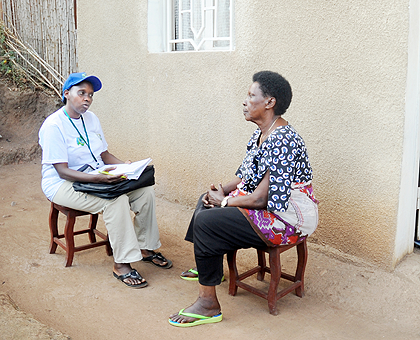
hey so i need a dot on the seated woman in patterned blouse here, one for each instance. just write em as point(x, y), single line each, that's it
point(270, 202)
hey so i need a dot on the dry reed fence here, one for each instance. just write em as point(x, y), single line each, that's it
point(42, 36)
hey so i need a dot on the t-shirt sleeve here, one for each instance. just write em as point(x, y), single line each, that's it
point(53, 144)
point(280, 159)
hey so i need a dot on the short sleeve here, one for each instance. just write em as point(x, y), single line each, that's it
point(56, 151)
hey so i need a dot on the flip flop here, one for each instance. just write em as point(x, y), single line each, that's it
point(201, 319)
point(134, 274)
point(158, 256)
point(188, 278)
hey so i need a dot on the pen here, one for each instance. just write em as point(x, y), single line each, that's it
point(107, 173)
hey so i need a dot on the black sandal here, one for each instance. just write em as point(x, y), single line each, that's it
point(160, 257)
point(134, 274)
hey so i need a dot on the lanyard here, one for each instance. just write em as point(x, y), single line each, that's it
point(87, 137)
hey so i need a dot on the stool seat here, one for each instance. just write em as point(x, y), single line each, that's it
point(235, 280)
point(69, 232)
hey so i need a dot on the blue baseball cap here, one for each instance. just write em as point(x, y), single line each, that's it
point(76, 78)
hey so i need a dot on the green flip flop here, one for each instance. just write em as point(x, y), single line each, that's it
point(194, 278)
point(190, 278)
point(201, 319)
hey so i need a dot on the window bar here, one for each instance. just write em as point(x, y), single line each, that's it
point(180, 12)
point(216, 17)
point(170, 24)
point(195, 33)
point(180, 21)
point(230, 25)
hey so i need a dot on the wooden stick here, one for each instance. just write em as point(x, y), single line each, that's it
point(26, 52)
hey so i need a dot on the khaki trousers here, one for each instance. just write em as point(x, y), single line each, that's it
point(126, 240)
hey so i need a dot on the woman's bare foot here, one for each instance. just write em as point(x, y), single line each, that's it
point(207, 304)
point(121, 269)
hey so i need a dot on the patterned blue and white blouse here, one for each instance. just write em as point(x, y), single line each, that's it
point(284, 154)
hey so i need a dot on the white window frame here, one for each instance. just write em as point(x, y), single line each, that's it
point(161, 27)
point(207, 34)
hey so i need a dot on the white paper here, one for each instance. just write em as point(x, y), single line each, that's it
point(131, 171)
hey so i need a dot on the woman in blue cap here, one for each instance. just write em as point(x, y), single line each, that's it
point(72, 137)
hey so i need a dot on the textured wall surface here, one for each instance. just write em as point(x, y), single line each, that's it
point(346, 62)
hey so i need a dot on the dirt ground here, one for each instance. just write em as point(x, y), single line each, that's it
point(344, 299)
point(41, 299)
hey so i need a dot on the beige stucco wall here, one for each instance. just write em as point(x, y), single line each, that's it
point(346, 62)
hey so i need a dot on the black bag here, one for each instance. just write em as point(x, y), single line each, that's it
point(104, 190)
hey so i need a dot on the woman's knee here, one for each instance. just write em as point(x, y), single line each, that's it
point(148, 193)
point(142, 199)
point(204, 222)
point(145, 194)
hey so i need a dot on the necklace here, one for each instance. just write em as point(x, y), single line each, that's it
point(265, 136)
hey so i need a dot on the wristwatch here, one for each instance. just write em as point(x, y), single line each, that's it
point(225, 202)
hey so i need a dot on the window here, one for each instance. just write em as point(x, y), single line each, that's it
point(190, 25)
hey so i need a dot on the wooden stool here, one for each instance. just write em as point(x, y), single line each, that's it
point(275, 270)
point(69, 232)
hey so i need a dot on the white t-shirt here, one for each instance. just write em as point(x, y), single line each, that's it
point(61, 143)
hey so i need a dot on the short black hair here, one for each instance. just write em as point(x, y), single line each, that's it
point(274, 85)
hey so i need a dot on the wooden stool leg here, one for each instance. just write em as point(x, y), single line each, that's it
point(275, 267)
point(92, 236)
point(261, 264)
point(69, 237)
point(92, 227)
point(53, 221)
point(302, 252)
point(108, 247)
point(233, 272)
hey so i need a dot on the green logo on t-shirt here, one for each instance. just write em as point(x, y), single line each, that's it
point(80, 141)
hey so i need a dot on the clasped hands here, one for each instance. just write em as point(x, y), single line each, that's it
point(214, 197)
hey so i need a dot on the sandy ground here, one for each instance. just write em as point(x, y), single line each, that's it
point(39, 297)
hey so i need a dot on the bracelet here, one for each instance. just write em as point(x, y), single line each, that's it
point(225, 202)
